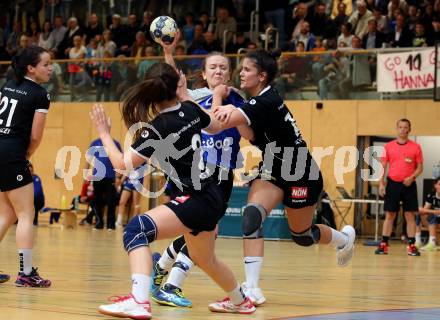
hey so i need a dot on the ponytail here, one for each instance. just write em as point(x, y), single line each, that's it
point(30, 56)
point(160, 84)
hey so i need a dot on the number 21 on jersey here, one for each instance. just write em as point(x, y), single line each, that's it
point(4, 102)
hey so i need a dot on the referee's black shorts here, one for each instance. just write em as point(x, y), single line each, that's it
point(396, 192)
point(14, 175)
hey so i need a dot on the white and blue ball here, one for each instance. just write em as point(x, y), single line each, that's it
point(164, 29)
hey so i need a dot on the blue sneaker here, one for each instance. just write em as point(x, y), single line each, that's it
point(4, 277)
point(172, 296)
point(157, 274)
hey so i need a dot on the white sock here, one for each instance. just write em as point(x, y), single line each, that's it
point(166, 261)
point(178, 273)
point(119, 221)
point(432, 240)
point(418, 237)
point(237, 296)
point(25, 256)
point(252, 269)
point(339, 239)
point(140, 287)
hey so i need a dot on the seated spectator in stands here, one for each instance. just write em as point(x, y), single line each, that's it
point(107, 44)
point(147, 19)
point(224, 22)
point(13, 42)
point(381, 21)
point(319, 61)
point(33, 33)
point(94, 28)
point(103, 78)
point(24, 43)
point(145, 64)
point(345, 35)
point(299, 15)
point(373, 39)
point(180, 62)
point(119, 36)
point(46, 39)
point(320, 24)
point(132, 28)
point(38, 194)
point(305, 36)
point(92, 49)
point(241, 41)
point(211, 44)
point(436, 30)
point(420, 37)
point(428, 15)
point(359, 19)
point(77, 74)
point(206, 23)
point(341, 17)
point(360, 66)
point(400, 36)
point(337, 77)
point(199, 40)
point(188, 28)
point(138, 47)
point(67, 43)
point(413, 17)
point(396, 4)
point(347, 5)
point(55, 82)
point(58, 33)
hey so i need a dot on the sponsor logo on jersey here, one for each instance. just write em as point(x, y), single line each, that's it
point(19, 177)
point(299, 192)
point(252, 102)
point(182, 199)
point(48, 96)
point(181, 114)
point(145, 134)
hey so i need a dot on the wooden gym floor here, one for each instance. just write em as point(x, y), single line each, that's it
point(87, 266)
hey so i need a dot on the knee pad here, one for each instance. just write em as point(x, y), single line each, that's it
point(140, 231)
point(308, 237)
point(253, 218)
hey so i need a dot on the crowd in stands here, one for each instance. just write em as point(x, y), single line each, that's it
point(303, 25)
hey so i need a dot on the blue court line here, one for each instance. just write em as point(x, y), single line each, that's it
point(397, 314)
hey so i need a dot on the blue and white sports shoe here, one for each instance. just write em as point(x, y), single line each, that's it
point(157, 274)
point(172, 296)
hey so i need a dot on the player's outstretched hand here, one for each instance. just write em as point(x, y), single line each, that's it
point(168, 48)
point(100, 119)
point(223, 113)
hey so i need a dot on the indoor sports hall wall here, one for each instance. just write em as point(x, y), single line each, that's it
point(337, 124)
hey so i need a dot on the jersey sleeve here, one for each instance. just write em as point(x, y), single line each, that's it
point(255, 111)
point(429, 199)
point(205, 119)
point(419, 155)
point(42, 101)
point(146, 143)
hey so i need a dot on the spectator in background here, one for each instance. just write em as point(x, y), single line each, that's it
point(148, 17)
point(359, 19)
point(320, 24)
point(55, 82)
point(67, 42)
point(345, 35)
point(241, 41)
point(46, 39)
point(189, 28)
point(394, 5)
point(103, 78)
point(428, 15)
point(299, 15)
point(336, 78)
point(78, 77)
point(145, 64)
point(400, 36)
point(224, 22)
point(94, 28)
point(346, 4)
point(373, 39)
point(132, 28)
point(341, 17)
point(381, 21)
point(106, 44)
point(58, 34)
point(199, 40)
point(211, 44)
point(420, 37)
point(92, 49)
point(33, 33)
point(13, 42)
point(119, 36)
point(180, 62)
point(125, 77)
point(104, 183)
point(204, 19)
point(404, 159)
point(305, 36)
point(138, 47)
point(38, 193)
point(412, 17)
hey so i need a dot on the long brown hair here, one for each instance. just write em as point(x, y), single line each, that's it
point(138, 103)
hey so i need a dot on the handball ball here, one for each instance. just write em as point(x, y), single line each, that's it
point(163, 28)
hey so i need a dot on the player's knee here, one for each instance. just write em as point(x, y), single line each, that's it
point(308, 237)
point(253, 218)
point(140, 231)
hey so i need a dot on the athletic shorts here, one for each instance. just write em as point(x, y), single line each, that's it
point(297, 194)
point(396, 192)
point(433, 219)
point(14, 175)
point(199, 210)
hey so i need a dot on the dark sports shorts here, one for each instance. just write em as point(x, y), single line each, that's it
point(14, 175)
point(395, 192)
point(297, 194)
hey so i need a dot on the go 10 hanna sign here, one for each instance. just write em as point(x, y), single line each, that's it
point(403, 71)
